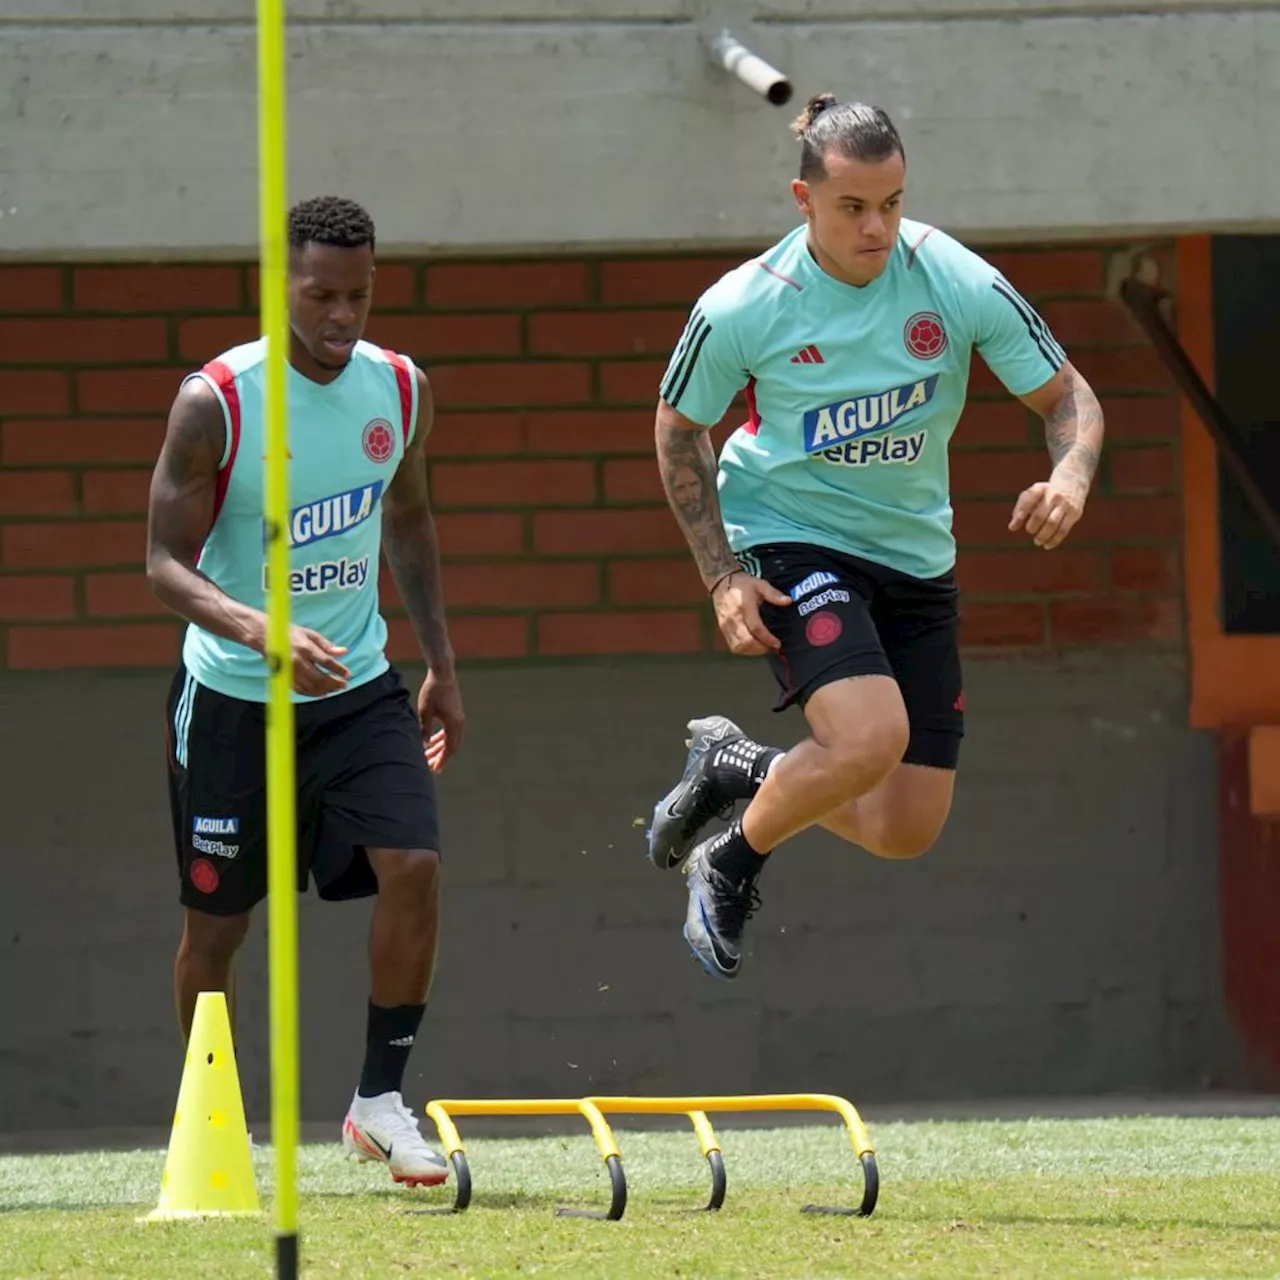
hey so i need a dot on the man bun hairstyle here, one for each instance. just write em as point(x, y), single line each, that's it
point(855, 130)
point(812, 110)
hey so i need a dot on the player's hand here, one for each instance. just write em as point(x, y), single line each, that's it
point(1048, 511)
point(737, 601)
point(440, 703)
point(316, 669)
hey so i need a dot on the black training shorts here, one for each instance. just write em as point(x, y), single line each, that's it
point(362, 778)
point(852, 617)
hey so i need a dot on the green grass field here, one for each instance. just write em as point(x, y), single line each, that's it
point(1079, 1198)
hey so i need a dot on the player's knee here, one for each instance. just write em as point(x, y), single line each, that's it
point(409, 875)
point(867, 752)
point(216, 938)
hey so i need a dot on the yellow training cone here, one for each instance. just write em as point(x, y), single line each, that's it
point(209, 1170)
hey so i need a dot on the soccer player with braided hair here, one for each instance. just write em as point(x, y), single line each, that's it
point(824, 532)
point(367, 824)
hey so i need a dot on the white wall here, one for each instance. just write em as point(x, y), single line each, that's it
point(128, 127)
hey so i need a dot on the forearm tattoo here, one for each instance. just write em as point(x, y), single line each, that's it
point(412, 549)
point(687, 463)
point(1073, 432)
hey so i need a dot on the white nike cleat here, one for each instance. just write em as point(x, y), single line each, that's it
point(384, 1129)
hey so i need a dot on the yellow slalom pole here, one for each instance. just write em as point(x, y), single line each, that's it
point(281, 790)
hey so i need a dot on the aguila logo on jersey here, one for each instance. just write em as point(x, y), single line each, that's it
point(838, 432)
point(379, 440)
point(328, 517)
point(925, 335)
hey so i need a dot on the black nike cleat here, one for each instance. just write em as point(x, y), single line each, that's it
point(703, 792)
point(718, 912)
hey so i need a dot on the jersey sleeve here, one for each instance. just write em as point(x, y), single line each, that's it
point(707, 368)
point(1012, 338)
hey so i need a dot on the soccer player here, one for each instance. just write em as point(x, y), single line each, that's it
point(367, 819)
point(825, 540)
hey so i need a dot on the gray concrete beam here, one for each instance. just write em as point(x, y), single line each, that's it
point(532, 126)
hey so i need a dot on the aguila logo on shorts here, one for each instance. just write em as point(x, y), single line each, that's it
point(812, 583)
point(203, 829)
point(216, 826)
point(925, 336)
point(851, 432)
point(379, 441)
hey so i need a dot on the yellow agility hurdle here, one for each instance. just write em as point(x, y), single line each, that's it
point(696, 1107)
point(442, 1110)
point(594, 1110)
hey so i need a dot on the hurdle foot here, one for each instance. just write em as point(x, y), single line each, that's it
point(870, 1193)
point(618, 1202)
point(719, 1181)
point(461, 1181)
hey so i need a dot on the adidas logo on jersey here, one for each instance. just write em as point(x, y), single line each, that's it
point(810, 355)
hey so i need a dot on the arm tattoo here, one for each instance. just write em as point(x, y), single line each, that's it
point(412, 548)
point(184, 481)
point(1073, 431)
point(687, 463)
point(180, 515)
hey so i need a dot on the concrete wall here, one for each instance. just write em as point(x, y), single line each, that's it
point(1061, 938)
point(129, 125)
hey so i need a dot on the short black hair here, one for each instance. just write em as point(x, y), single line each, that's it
point(330, 220)
point(854, 129)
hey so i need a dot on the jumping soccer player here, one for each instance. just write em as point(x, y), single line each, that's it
point(829, 547)
point(366, 799)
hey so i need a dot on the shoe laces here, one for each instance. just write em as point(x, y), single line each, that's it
point(403, 1121)
point(735, 902)
point(703, 806)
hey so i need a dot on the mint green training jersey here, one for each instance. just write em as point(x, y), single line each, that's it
point(346, 440)
point(853, 393)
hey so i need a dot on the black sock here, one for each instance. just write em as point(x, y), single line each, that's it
point(739, 766)
point(734, 858)
point(388, 1043)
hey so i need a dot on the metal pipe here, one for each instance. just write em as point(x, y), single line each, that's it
point(752, 70)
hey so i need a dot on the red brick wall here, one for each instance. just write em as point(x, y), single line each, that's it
point(554, 529)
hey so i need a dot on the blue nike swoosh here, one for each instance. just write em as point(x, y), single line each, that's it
point(711, 937)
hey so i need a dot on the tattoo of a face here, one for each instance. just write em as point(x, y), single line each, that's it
point(688, 466)
point(686, 489)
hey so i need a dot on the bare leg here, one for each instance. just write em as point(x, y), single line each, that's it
point(900, 818)
point(404, 935)
point(204, 960)
point(859, 733)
